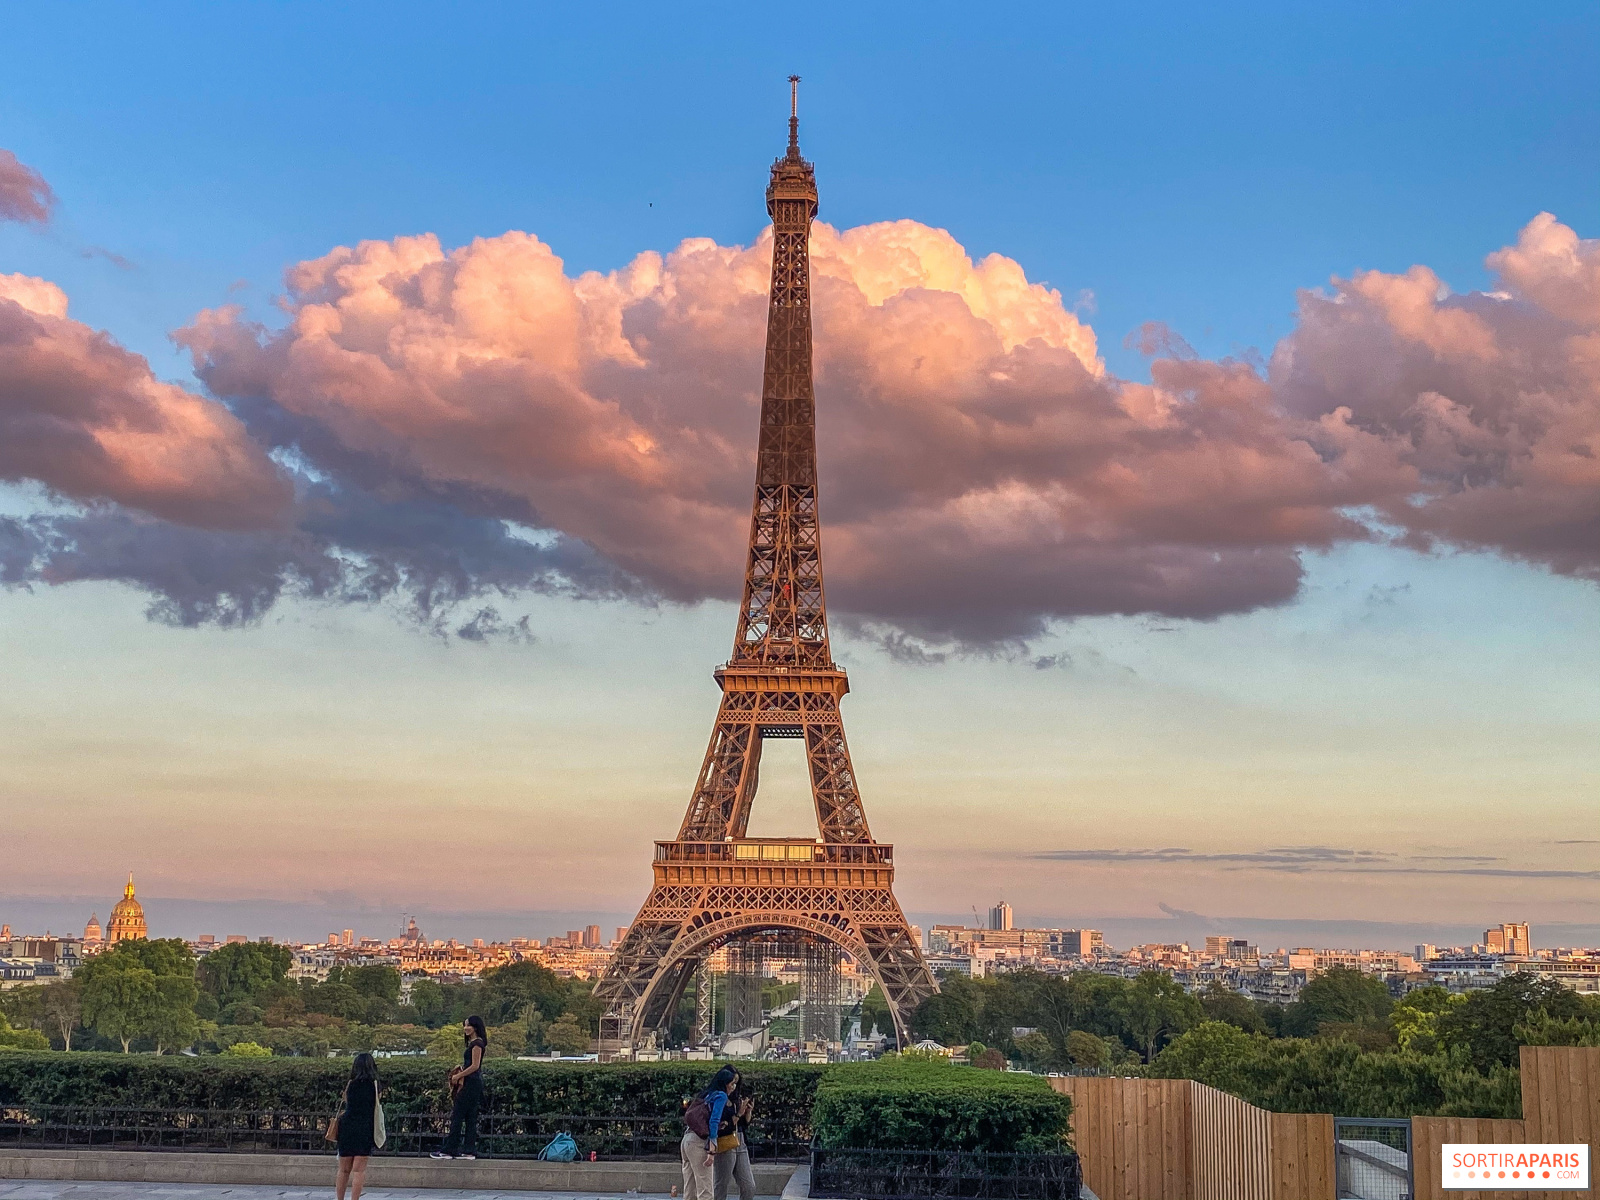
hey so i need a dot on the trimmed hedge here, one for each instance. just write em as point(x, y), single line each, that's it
point(934, 1106)
point(886, 1105)
point(784, 1092)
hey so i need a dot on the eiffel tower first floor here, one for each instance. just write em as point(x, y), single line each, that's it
point(707, 894)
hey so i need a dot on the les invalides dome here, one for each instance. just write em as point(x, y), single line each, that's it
point(127, 918)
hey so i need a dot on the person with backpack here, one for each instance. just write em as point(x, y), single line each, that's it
point(702, 1120)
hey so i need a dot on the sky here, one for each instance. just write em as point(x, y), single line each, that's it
point(1208, 417)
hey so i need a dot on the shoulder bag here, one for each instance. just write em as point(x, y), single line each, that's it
point(331, 1134)
point(380, 1127)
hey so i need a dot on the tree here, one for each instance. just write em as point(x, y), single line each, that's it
point(990, 1060)
point(335, 997)
point(1222, 1003)
point(1485, 1022)
point(1215, 1052)
point(243, 971)
point(172, 1023)
point(1154, 1007)
point(1036, 1051)
point(247, 1050)
point(447, 1043)
point(1340, 995)
point(119, 995)
point(950, 1016)
point(427, 998)
point(1542, 1029)
point(21, 1039)
point(1087, 1051)
point(508, 992)
point(161, 956)
point(567, 1037)
point(1414, 1020)
point(63, 1007)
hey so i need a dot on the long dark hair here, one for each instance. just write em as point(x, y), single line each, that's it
point(478, 1029)
point(720, 1081)
point(364, 1069)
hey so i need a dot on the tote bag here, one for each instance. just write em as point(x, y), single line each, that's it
point(380, 1128)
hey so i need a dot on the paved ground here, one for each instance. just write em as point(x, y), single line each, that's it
point(66, 1189)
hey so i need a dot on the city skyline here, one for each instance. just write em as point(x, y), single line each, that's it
point(1150, 610)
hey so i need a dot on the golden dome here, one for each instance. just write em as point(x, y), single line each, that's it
point(127, 917)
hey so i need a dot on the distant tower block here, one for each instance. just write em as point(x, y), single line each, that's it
point(1000, 916)
point(127, 918)
point(713, 883)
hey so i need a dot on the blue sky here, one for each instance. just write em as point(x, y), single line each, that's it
point(1191, 165)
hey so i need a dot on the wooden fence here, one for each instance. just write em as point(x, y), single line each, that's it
point(1174, 1139)
point(1560, 1103)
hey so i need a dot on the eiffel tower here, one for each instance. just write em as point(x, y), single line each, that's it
point(713, 884)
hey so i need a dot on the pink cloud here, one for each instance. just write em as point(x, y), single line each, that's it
point(982, 473)
point(24, 195)
point(89, 420)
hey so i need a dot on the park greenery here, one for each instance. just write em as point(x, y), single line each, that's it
point(239, 1000)
point(1344, 1046)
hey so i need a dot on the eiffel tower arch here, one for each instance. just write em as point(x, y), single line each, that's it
point(713, 883)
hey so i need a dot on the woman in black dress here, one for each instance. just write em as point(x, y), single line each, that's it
point(356, 1125)
point(466, 1083)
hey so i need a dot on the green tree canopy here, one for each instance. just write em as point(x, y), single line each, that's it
point(244, 971)
point(1222, 1003)
point(1340, 995)
point(1155, 1008)
point(1484, 1024)
point(507, 992)
point(566, 1036)
point(378, 981)
point(120, 997)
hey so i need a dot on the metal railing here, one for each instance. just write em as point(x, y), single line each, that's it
point(500, 1135)
point(1372, 1158)
point(754, 852)
point(920, 1174)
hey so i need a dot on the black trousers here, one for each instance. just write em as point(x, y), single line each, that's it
point(463, 1137)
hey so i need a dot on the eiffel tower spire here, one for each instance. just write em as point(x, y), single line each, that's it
point(782, 621)
point(713, 884)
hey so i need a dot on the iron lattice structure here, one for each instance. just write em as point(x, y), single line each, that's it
point(712, 883)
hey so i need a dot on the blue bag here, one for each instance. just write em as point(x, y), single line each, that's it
point(561, 1149)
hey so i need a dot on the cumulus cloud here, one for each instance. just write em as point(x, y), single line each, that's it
point(982, 473)
point(24, 195)
point(90, 421)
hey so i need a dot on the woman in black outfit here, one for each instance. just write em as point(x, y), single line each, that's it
point(355, 1126)
point(466, 1082)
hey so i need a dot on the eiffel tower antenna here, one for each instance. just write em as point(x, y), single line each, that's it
point(713, 884)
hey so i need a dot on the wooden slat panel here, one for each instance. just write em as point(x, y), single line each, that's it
point(1302, 1156)
point(1561, 1098)
point(1429, 1134)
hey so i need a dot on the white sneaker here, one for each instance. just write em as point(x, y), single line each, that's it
point(466, 1156)
point(440, 1154)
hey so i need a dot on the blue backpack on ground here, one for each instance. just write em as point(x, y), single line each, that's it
point(561, 1149)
